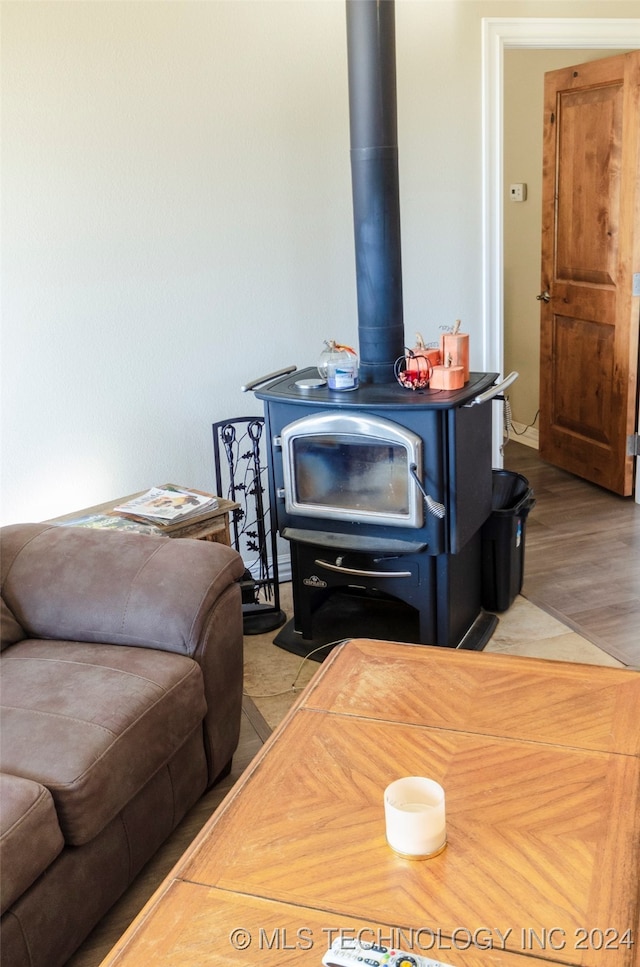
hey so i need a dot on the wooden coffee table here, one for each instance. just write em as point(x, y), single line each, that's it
point(540, 761)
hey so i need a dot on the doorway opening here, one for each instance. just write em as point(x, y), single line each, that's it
point(499, 34)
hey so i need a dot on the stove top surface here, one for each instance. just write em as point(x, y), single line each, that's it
point(384, 395)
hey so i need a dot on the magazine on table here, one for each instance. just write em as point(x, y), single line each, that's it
point(168, 505)
point(105, 522)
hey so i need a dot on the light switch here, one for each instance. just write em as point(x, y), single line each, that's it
point(518, 192)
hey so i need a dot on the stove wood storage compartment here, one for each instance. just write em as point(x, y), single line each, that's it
point(351, 476)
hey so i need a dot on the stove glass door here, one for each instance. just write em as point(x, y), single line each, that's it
point(352, 467)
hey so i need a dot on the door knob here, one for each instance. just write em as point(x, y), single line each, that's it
point(543, 297)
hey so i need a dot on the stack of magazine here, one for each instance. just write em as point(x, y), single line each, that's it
point(168, 506)
point(158, 511)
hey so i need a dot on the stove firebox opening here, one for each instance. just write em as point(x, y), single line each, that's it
point(352, 467)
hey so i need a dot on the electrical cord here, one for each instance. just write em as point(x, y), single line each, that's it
point(529, 426)
point(294, 687)
point(508, 426)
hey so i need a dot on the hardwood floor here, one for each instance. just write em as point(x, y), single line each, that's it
point(582, 555)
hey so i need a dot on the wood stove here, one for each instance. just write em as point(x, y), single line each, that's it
point(380, 491)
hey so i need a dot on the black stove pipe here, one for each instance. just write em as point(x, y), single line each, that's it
point(374, 176)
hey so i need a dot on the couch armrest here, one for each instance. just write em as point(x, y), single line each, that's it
point(112, 587)
point(120, 588)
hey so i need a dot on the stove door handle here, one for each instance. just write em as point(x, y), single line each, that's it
point(495, 390)
point(363, 574)
point(265, 379)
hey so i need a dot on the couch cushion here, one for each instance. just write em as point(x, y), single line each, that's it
point(30, 838)
point(113, 587)
point(94, 722)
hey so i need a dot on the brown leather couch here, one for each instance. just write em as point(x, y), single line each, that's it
point(121, 679)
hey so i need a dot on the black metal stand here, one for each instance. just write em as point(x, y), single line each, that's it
point(241, 476)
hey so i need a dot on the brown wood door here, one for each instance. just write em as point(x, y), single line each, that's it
point(590, 252)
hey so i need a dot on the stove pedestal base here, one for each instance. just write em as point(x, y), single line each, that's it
point(361, 618)
point(343, 592)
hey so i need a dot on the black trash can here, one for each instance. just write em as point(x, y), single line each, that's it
point(503, 539)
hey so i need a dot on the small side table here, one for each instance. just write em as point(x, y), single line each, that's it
point(214, 528)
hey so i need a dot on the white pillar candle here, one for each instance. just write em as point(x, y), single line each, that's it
point(414, 810)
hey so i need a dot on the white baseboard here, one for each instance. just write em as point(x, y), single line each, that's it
point(524, 434)
point(284, 568)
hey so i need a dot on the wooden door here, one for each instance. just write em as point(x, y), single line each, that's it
point(590, 253)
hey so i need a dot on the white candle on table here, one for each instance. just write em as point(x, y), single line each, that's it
point(414, 809)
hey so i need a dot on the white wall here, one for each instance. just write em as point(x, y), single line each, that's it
point(176, 218)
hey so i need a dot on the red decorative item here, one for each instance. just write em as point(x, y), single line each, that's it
point(413, 372)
